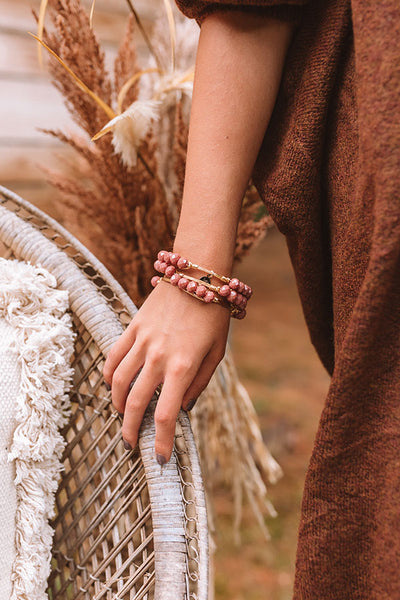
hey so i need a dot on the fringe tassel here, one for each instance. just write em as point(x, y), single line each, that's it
point(231, 447)
point(30, 302)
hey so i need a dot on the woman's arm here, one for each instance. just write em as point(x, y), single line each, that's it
point(175, 339)
point(238, 70)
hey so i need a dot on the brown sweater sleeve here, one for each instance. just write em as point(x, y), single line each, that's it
point(281, 9)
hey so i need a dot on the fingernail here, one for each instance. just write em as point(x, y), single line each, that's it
point(161, 459)
point(107, 386)
point(191, 404)
point(127, 445)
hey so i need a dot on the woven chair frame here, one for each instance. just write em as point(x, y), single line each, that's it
point(125, 528)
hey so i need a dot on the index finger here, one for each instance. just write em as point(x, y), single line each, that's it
point(118, 351)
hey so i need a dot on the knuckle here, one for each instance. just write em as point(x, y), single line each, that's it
point(143, 337)
point(118, 380)
point(163, 418)
point(155, 356)
point(112, 354)
point(134, 324)
point(135, 405)
point(181, 366)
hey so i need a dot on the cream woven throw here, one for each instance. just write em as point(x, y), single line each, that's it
point(36, 345)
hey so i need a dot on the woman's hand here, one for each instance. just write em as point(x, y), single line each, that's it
point(175, 340)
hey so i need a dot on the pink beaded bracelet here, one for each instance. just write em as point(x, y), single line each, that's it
point(199, 292)
point(234, 294)
point(166, 259)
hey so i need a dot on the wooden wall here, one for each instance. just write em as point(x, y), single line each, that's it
point(28, 101)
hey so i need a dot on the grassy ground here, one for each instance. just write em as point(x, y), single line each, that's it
point(287, 384)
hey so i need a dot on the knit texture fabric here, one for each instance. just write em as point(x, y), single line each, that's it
point(36, 346)
point(328, 171)
point(290, 10)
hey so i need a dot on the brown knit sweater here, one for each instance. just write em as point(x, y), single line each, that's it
point(329, 172)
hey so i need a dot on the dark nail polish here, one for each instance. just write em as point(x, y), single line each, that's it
point(107, 386)
point(161, 459)
point(191, 404)
point(127, 445)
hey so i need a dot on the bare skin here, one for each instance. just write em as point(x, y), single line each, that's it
point(175, 339)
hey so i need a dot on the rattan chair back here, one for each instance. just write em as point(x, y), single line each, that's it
point(125, 528)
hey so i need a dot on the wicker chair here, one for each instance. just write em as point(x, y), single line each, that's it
point(124, 527)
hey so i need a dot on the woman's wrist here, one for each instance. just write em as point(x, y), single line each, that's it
point(213, 252)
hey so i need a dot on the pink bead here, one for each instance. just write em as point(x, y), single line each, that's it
point(209, 297)
point(154, 280)
point(250, 292)
point(173, 258)
point(243, 304)
point(191, 287)
point(232, 296)
point(241, 287)
point(175, 279)
point(162, 267)
point(162, 255)
point(182, 263)
point(157, 265)
point(169, 271)
point(201, 291)
point(182, 283)
point(246, 290)
point(224, 290)
point(241, 315)
point(234, 283)
point(238, 299)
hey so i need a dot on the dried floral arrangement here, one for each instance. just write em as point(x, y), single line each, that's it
point(123, 201)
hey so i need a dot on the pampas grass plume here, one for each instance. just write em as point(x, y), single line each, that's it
point(130, 128)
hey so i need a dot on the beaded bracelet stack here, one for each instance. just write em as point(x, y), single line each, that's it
point(232, 294)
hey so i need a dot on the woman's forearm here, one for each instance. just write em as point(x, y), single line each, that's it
point(238, 69)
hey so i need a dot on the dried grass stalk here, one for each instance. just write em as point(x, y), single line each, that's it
point(233, 453)
point(126, 67)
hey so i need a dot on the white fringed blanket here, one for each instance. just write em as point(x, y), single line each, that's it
point(36, 345)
